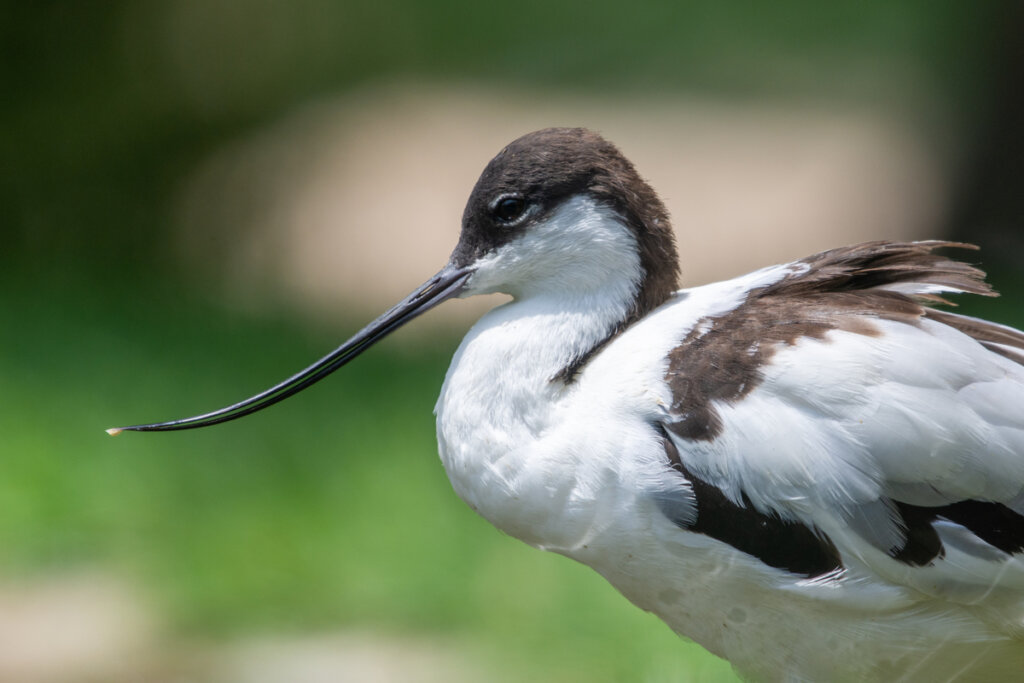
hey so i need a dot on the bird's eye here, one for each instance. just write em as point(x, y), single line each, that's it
point(508, 209)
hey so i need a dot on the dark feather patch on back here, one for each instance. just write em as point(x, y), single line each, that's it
point(994, 523)
point(873, 265)
point(777, 542)
point(721, 359)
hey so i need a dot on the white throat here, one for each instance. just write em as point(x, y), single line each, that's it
point(582, 249)
point(574, 278)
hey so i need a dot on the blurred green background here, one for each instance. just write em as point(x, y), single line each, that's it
point(331, 513)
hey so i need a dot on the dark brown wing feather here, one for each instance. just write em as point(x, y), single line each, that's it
point(842, 289)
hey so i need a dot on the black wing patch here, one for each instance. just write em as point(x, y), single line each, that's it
point(922, 543)
point(807, 551)
point(994, 523)
point(778, 543)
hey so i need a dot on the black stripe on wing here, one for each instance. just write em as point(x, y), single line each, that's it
point(806, 550)
point(777, 542)
point(994, 523)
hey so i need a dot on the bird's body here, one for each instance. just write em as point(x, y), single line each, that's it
point(584, 470)
point(808, 470)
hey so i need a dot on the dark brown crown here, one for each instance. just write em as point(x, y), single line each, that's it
point(547, 167)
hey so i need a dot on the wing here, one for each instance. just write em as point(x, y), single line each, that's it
point(874, 432)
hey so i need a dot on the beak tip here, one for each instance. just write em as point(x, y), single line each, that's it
point(114, 431)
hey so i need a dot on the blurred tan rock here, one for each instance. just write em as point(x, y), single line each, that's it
point(72, 628)
point(343, 657)
point(350, 203)
point(92, 628)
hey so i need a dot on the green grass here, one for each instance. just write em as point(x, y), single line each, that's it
point(330, 511)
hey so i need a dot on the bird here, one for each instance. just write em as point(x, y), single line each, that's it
point(813, 470)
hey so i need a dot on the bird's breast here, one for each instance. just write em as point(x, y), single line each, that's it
point(495, 416)
point(544, 461)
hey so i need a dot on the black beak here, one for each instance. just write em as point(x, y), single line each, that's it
point(445, 285)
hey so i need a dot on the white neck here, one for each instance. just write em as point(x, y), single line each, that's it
point(498, 397)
